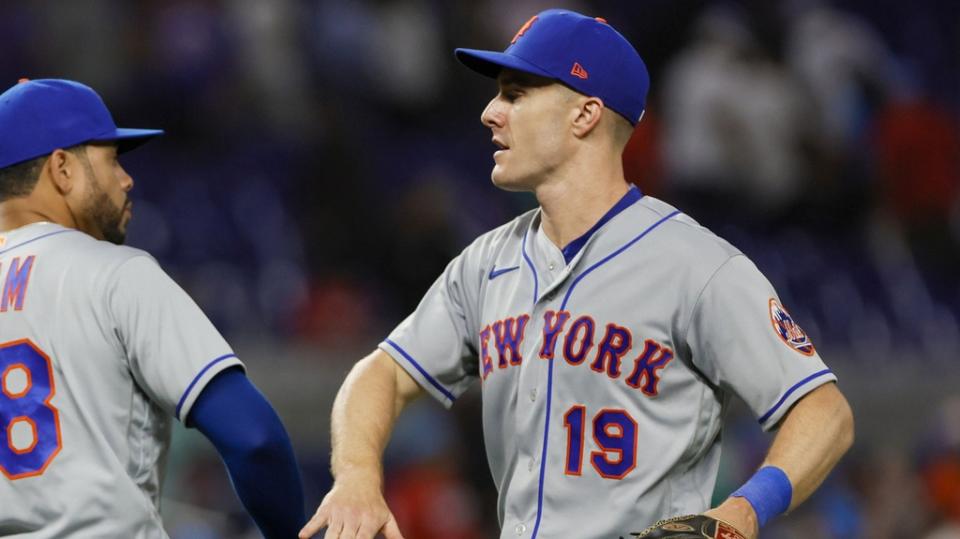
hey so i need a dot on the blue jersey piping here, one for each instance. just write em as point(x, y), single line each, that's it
point(429, 378)
point(47, 235)
point(563, 306)
point(196, 378)
point(610, 256)
point(632, 195)
point(523, 250)
point(790, 391)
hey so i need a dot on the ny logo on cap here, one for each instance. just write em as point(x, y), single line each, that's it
point(523, 29)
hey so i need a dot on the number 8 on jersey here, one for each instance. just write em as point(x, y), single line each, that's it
point(29, 425)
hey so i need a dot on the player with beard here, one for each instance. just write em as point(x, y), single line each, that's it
point(100, 349)
point(103, 212)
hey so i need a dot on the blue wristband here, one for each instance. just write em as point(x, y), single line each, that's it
point(769, 492)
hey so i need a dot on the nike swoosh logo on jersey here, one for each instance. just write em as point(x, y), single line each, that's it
point(494, 272)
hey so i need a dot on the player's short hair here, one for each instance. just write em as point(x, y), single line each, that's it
point(20, 179)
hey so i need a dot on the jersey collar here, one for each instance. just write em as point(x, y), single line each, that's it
point(633, 194)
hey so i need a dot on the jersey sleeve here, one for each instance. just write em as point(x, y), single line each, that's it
point(434, 344)
point(744, 340)
point(172, 347)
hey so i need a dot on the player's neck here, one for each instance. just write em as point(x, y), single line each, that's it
point(16, 213)
point(570, 207)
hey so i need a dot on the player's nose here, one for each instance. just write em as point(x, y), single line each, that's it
point(492, 115)
point(126, 180)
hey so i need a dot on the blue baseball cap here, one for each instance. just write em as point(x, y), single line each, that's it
point(40, 116)
point(584, 53)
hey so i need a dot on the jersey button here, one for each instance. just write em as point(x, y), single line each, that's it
point(551, 266)
point(520, 529)
point(533, 394)
point(531, 465)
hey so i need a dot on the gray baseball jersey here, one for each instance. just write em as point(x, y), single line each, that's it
point(605, 367)
point(99, 349)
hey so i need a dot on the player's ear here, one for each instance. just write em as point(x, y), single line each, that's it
point(588, 116)
point(63, 169)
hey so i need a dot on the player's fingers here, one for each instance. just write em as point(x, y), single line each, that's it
point(352, 527)
point(334, 529)
point(391, 530)
point(314, 525)
point(369, 527)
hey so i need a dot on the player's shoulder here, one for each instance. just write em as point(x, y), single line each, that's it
point(72, 250)
point(681, 234)
point(108, 257)
point(505, 236)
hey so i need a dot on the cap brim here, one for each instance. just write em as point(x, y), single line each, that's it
point(128, 139)
point(490, 63)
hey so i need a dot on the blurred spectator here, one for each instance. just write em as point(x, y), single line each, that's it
point(369, 47)
point(642, 162)
point(844, 65)
point(736, 124)
point(843, 62)
point(425, 489)
point(427, 226)
point(57, 27)
point(272, 62)
point(917, 149)
point(337, 311)
point(940, 467)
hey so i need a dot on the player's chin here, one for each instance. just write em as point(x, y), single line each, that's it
point(507, 182)
point(116, 237)
point(117, 234)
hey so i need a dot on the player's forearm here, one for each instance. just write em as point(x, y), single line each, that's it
point(811, 440)
point(364, 412)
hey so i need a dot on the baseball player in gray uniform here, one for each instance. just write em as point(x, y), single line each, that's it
point(100, 349)
point(607, 330)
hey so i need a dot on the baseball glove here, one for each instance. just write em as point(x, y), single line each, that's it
point(690, 527)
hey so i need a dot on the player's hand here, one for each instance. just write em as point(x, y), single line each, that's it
point(738, 513)
point(353, 510)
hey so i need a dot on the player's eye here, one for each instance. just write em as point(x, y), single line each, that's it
point(511, 95)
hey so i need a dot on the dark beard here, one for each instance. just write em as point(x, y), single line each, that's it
point(100, 210)
point(106, 216)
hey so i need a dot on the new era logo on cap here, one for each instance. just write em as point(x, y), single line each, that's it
point(584, 53)
point(579, 72)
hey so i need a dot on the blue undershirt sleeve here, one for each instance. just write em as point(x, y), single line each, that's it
point(254, 445)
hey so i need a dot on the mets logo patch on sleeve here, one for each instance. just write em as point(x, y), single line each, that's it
point(788, 330)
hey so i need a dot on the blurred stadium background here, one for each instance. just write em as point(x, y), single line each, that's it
point(325, 159)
